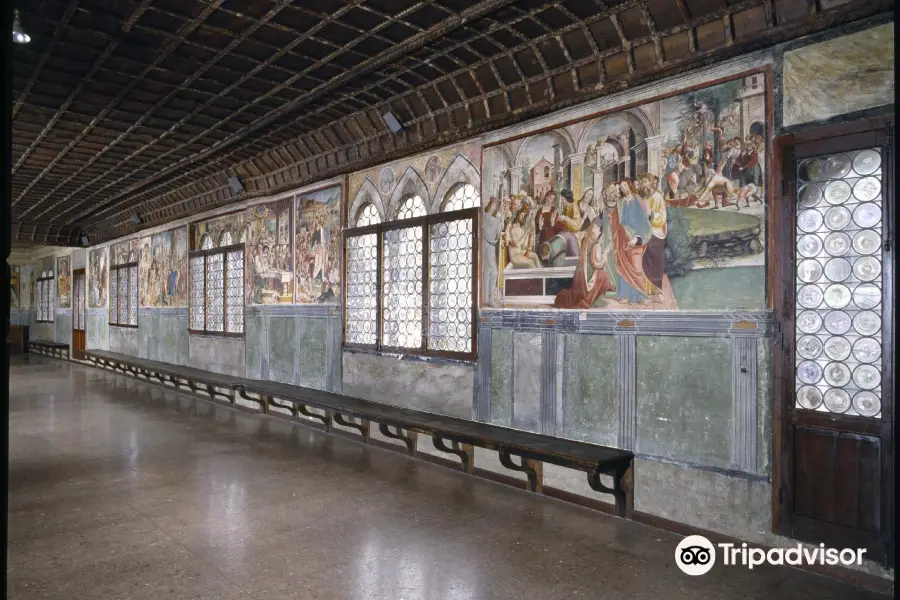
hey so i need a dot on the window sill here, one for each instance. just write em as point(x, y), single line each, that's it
point(121, 326)
point(438, 360)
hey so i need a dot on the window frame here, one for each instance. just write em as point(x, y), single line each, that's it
point(119, 269)
point(41, 284)
point(223, 250)
point(425, 222)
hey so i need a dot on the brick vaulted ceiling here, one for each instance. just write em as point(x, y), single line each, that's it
point(147, 106)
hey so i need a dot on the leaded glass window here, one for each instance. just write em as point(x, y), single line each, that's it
point(217, 289)
point(450, 286)
point(410, 285)
point(367, 215)
point(198, 293)
point(401, 323)
point(113, 295)
point(123, 294)
point(362, 281)
point(410, 208)
point(839, 283)
point(461, 198)
point(44, 290)
point(133, 295)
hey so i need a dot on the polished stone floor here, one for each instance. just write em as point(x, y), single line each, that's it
point(123, 490)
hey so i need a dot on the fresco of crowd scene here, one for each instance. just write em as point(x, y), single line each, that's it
point(619, 239)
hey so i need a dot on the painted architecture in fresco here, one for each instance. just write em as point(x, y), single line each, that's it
point(317, 246)
point(98, 277)
point(162, 266)
point(433, 177)
point(64, 281)
point(660, 206)
point(124, 253)
point(15, 272)
point(265, 231)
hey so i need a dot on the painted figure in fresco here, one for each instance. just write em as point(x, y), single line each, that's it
point(321, 240)
point(492, 228)
point(630, 239)
point(546, 219)
point(591, 279)
point(654, 260)
point(519, 242)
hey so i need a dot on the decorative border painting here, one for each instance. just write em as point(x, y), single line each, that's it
point(98, 277)
point(317, 246)
point(655, 206)
point(64, 281)
point(163, 268)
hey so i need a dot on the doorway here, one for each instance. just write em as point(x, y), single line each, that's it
point(79, 314)
point(834, 293)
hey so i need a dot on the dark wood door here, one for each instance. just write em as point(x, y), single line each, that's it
point(79, 314)
point(835, 298)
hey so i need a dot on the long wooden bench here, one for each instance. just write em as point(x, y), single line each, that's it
point(451, 435)
point(48, 348)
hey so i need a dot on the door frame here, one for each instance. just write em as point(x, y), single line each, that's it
point(783, 214)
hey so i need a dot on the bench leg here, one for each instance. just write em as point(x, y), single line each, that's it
point(465, 452)
point(362, 426)
point(622, 490)
point(290, 407)
point(409, 439)
point(534, 469)
point(326, 418)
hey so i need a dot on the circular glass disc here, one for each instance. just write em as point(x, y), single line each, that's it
point(866, 404)
point(809, 245)
point(864, 215)
point(809, 347)
point(809, 397)
point(867, 377)
point(837, 401)
point(867, 189)
point(811, 372)
point(810, 220)
point(865, 350)
point(837, 244)
point(866, 241)
point(867, 162)
point(837, 348)
point(867, 295)
point(810, 296)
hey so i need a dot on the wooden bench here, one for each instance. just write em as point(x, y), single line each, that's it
point(451, 435)
point(48, 348)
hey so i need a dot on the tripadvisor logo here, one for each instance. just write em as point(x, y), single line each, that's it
point(696, 555)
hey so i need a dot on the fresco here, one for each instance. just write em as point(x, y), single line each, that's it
point(839, 76)
point(431, 176)
point(14, 281)
point(26, 286)
point(98, 277)
point(265, 231)
point(124, 253)
point(660, 206)
point(163, 268)
point(317, 246)
point(64, 281)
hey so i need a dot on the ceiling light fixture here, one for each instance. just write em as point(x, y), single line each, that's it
point(19, 35)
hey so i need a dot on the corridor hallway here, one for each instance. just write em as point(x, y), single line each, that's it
point(122, 489)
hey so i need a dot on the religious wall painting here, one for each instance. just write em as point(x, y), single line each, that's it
point(386, 180)
point(269, 272)
point(317, 247)
point(163, 268)
point(839, 76)
point(217, 229)
point(98, 277)
point(433, 169)
point(15, 272)
point(658, 206)
point(124, 252)
point(64, 281)
point(26, 287)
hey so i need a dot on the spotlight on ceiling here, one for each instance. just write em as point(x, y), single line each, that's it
point(19, 35)
point(391, 121)
point(136, 219)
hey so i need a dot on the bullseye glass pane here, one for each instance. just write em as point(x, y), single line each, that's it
point(362, 277)
point(838, 286)
point(234, 298)
point(113, 295)
point(197, 293)
point(401, 309)
point(132, 295)
point(450, 296)
point(215, 293)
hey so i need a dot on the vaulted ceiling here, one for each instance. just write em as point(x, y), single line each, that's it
point(147, 107)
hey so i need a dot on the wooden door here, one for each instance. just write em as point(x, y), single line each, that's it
point(79, 313)
point(835, 295)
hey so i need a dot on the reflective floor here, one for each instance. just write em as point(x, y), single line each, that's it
point(123, 490)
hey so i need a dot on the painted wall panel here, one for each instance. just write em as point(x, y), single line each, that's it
point(217, 354)
point(527, 360)
point(590, 380)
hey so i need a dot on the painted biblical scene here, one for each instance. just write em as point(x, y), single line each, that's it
point(64, 281)
point(98, 277)
point(264, 230)
point(163, 269)
point(317, 246)
point(26, 286)
point(660, 206)
point(124, 253)
point(15, 272)
point(376, 194)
